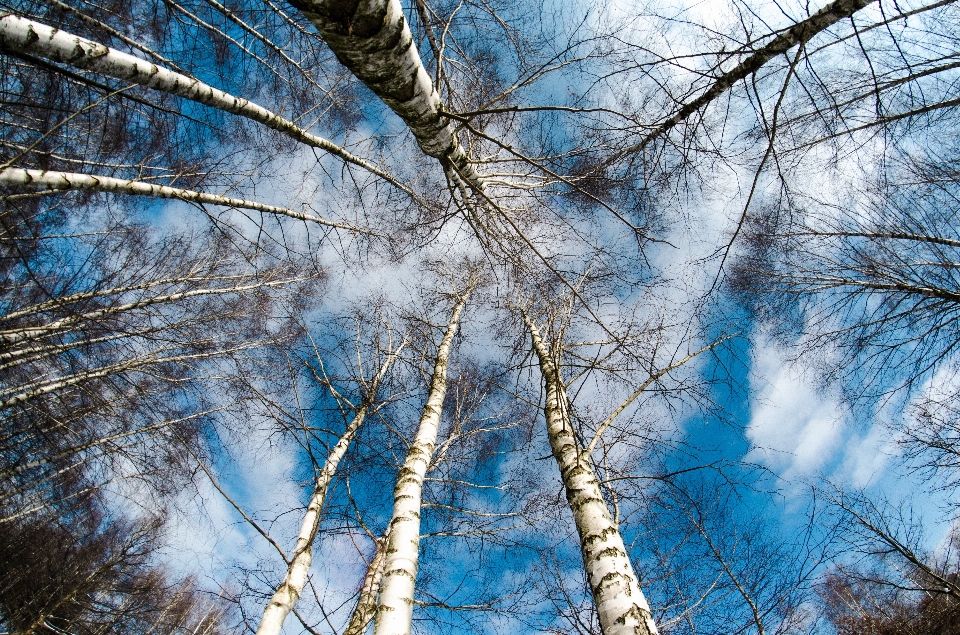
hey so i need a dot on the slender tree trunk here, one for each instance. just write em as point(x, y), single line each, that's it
point(29, 37)
point(373, 40)
point(29, 465)
point(14, 395)
point(61, 181)
point(287, 594)
point(63, 300)
point(799, 33)
point(14, 336)
point(621, 606)
point(395, 608)
point(367, 602)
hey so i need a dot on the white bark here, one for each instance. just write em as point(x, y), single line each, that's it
point(64, 300)
point(59, 181)
point(34, 38)
point(287, 594)
point(373, 40)
point(33, 353)
point(113, 32)
point(367, 602)
point(621, 606)
point(395, 607)
point(12, 336)
point(13, 395)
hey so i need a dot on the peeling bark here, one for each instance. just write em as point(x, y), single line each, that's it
point(621, 606)
point(395, 608)
point(372, 39)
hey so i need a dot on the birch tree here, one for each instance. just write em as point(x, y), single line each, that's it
point(287, 594)
point(102, 366)
point(621, 605)
point(374, 41)
point(555, 143)
point(601, 451)
point(366, 607)
point(476, 505)
point(890, 581)
point(95, 574)
point(174, 164)
point(33, 38)
point(395, 605)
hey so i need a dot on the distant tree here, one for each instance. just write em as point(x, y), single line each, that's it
point(82, 571)
point(886, 582)
point(859, 607)
point(395, 606)
point(298, 563)
point(103, 359)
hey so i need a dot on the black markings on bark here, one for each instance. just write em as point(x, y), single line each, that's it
point(583, 503)
point(607, 580)
point(636, 612)
point(610, 551)
point(592, 538)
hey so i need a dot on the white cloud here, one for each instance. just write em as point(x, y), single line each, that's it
point(799, 430)
point(868, 456)
point(795, 429)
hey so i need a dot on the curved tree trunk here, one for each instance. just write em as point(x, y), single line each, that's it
point(621, 606)
point(395, 608)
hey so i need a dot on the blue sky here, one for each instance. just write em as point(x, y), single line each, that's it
point(718, 464)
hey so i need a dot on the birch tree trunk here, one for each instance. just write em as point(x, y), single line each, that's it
point(287, 594)
point(17, 335)
point(374, 41)
point(17, 394)
point(29, 37)
point(621, 606)
point(367, 602)
point(395, 608)
point(62, 181)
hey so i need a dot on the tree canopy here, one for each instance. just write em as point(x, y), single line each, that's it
point(479, 316)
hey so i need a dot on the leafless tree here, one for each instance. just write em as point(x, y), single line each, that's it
point(377, 131)
point(86, 572)
point(890, 581)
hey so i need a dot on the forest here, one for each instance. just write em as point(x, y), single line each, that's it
point(479, 316)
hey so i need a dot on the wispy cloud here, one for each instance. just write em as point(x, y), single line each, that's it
point(795, 429)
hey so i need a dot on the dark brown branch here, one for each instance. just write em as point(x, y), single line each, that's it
point(799, 33)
